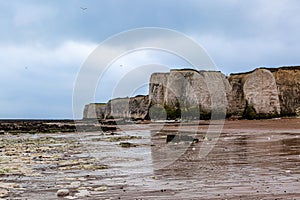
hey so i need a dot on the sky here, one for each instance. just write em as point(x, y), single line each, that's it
point(44, 44)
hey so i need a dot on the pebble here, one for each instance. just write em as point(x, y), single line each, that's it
point(127, 144)
point(70, 197)
point(3, 193)
point(83, 193)
point(154, 177)
point(84, 188)
point(102, 188)
point(75, 184)
point(8, 185)
point(62, 192)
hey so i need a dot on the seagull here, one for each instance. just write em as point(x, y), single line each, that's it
point(82, 8)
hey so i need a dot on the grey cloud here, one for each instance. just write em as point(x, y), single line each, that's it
point(238, 35)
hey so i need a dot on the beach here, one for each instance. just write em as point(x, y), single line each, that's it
point(244, 159)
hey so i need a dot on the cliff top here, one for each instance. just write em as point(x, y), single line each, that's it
point(270, 69)
point(184, 69)
point(128, 98)
point(284, 68)
point(98, 104)
point(191, 69)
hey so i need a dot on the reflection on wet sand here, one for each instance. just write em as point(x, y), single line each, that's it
point(181, 158)
point(238, 166)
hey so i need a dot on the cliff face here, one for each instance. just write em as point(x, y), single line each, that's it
point(260, 90)
point(94, 110)
point(117, 108)
point(138, 107)
point(257, 89)
point(237, 102)
point(263, 92)
point(188, 89)
point(157, 88)
point(134, 108)
point(288, 84)
point(271, 91)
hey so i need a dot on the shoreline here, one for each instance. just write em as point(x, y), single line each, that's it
point(20, 126)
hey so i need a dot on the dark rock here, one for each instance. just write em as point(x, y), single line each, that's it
point(127, 144)
point(63, 193)
point(181, 138)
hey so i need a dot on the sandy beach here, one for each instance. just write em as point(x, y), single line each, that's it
point(249, 159)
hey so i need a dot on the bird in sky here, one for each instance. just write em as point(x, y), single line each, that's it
point(83, 8)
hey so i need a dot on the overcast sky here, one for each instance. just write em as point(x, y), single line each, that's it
point(44, 43)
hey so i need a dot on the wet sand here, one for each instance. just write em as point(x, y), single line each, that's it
point(257, 159)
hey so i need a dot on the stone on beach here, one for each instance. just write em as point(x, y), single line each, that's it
point(3, 193)
point(63, 192)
